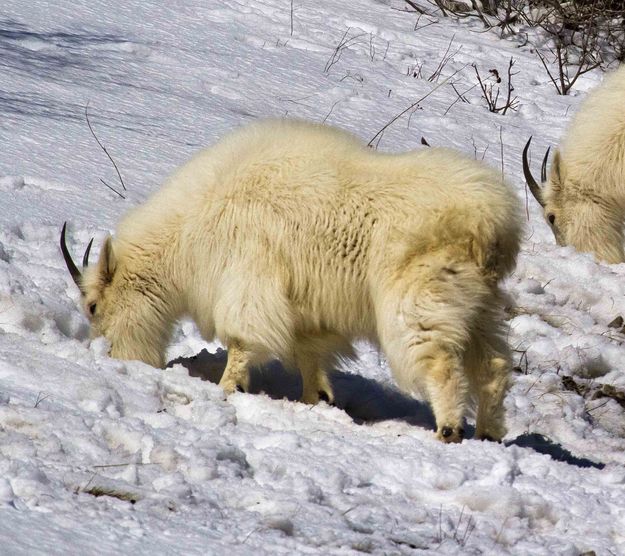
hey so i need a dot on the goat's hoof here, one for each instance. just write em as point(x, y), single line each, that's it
point(231, 387)
point(495, 433)
point(325, 397)
point(489, 438)
point(313, 397)
point(228, 388)
point(451, 434)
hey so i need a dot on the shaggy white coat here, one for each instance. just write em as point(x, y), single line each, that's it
point(288, 239)
point(585, 194)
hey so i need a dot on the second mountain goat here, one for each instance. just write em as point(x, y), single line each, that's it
point(584, 198)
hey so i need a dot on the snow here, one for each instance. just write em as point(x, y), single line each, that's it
point(99, 456)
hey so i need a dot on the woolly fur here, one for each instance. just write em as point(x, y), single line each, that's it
point(289, 239)
point(586, 189)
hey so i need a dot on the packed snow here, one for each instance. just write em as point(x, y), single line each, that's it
point(100, 456)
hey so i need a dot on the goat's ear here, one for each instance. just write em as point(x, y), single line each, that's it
point(557, 172)
point(107, 262)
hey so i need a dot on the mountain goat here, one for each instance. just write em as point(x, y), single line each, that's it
point(289, 239)
point(584, 199)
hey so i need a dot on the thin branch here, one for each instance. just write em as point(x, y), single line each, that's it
point(542, 59)
point(415, 7)
point(379, 134)
point(493, 99)
point(122, 464)
point(444, 60)
point(509, 102)
point(460, 97)
point(485, 93)
point(330, 112)
point(112, 188)
point(103, 147)
point(501, 143)
point(41, 397)
point(338, 51)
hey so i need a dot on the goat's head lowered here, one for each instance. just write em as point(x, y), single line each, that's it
point(578, 213)
point(549, 195)
point(116, 305)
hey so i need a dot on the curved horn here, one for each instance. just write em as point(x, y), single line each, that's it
point(68, 259)
point(543, 168)
point(531, 182)
point(85, 258)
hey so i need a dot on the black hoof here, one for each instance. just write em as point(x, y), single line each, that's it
point(490, 439)
point(323, 396)
point(447, 432)
point(240, 389)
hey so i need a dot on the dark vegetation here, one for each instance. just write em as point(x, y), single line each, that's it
point(569, 37)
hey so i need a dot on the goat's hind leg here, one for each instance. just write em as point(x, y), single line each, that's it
point(425, 358)
point(425, 323)
point(488, 366)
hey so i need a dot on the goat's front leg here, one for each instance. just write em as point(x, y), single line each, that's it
point(236, 374)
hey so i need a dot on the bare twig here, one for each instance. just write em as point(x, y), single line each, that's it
point(458, 524)
point(501, 150)
point(415, 7)
point(480, 15)
point(440, 524)
point(416, 25)
point(388, 45)
point(467, 532)
point(359, 78)
point(41, 397)
point(338, 50)
point(112, 188)
point(330, 112)
point(415, 70)
point(544, 63)
point(460, 97)
point(105, 152)
point(503, 524)
point(475, 149)
point(444, 60)
point(379, 134)
point(598, 406)
point(510, 102)
point(122, 464)
point(491, 94)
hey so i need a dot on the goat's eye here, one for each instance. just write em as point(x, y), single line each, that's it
point(92, 308)
point(552, 218)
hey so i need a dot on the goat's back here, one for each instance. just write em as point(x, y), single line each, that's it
point(324, 214)
point(594, 146)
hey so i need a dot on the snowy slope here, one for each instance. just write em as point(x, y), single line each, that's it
point(99, 456)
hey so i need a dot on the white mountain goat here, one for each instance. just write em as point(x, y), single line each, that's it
point(584, 199)
point(288, 239)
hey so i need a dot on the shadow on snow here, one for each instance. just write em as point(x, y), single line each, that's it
point(363, 399)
